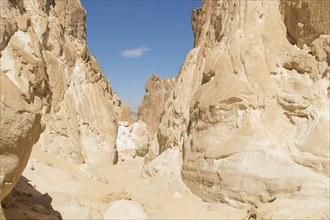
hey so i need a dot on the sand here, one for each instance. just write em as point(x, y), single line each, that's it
point(72, 194)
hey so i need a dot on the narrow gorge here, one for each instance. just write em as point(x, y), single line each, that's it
point(242, 131)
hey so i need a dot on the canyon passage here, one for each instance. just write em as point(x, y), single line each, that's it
point(241, 132)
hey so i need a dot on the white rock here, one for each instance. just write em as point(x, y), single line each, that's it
point(130, 138)
point(124, 209)
point(167, 164)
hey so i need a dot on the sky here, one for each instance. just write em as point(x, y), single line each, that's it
point(134, 39)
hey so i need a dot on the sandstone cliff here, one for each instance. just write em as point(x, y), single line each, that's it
point(50, 84)
point(153, 104)
point(81, 124)
point(250, 109)
point(152, 109)
point(125, 114)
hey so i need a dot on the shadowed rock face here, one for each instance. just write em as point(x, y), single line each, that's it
point(31, 203)
point(250, 111)
point(50, 84)
point(305, 20)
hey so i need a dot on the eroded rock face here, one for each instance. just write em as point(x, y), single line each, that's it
point(157, 92)
point(80, 121)
point(125, 114)
point(305, 20)
point(50, 84)
point(152, 109)
point(81, 125)
point(250, 111)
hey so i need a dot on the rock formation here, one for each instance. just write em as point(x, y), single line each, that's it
point(132, 140)
point(152, 109)
point(245, 122)
point(153, 104)
point(50, 84)
point(24, 90)
point(250, 107)
point(81, 124)
point(125, 114)
point(305, 20)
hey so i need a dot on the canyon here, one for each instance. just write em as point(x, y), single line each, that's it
point(242, 132)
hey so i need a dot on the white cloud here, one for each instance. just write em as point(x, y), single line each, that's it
point(135, 52)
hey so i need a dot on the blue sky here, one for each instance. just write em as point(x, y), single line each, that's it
point(134, 39)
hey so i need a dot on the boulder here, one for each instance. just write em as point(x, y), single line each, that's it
point(124, 209)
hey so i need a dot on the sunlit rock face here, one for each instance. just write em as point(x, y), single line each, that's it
point(153, 104)
point(51, 87)
point(250, 109)
point(125, 114)
point(81, 124)
point(152, 109)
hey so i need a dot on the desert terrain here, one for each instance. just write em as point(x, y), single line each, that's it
point(241, 132)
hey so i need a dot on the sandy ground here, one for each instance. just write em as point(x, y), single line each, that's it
point(53, 188)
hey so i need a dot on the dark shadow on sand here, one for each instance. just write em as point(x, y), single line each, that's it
point(25, 202)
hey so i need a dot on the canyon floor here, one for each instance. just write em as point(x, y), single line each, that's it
point(67, 192)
